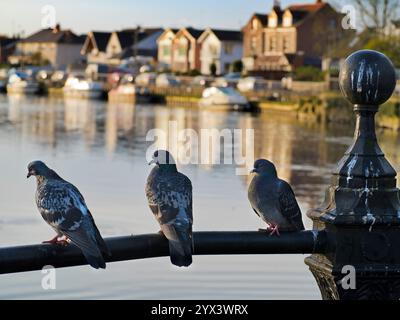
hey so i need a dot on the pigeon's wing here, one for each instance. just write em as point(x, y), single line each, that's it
point(171, 202)
point(289, 206)
point(62, 209)
point(80, 230)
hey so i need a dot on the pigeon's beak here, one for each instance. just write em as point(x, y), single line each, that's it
point(253, 170)
point(152, 162)
point(30, 174)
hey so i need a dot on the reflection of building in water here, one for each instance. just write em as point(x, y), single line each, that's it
point(120, 118)
point(215, 137)
point(170, 125)
point(37, 116)
point(273, 141)
point(80, 115)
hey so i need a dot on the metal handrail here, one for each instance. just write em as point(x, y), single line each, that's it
point(35, 257)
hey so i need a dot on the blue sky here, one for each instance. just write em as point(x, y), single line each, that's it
point(84, 15)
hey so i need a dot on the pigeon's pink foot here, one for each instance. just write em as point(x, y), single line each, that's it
point(52, 241)
point(63, 241)
point(274, 230)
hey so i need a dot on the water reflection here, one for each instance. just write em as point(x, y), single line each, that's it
point(101, 147)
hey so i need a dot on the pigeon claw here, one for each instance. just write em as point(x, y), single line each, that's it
point(58, 241)
point(271, 229)
point(274, 230)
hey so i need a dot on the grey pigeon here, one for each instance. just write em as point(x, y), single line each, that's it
point(63, 207)
point(169, 194)
point(273, 199)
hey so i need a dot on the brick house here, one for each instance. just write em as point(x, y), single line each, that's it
point(301, 34)
point(186, 50)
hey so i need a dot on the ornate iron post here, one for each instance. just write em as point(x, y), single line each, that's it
point(361, 213)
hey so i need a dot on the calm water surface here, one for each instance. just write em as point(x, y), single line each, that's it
point(101, 148)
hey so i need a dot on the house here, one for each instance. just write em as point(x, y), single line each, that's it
point(114, 47)
point(165, 47)
point(54, 46)
point(7, 48)
point(186, 50)
point(220, 48)
point(302, 33)
point(144, 45)
point(94, 47)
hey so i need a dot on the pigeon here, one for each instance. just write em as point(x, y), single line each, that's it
point(273, 200)
point(63, 207)
point(169, 195)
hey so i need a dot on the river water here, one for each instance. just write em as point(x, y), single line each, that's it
point(101, 148)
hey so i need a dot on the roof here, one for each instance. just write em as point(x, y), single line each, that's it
point(227, 35)
point(309, 7)
point(262, 17)
point(222, 35)
point(4, 41)
point(195, 33)
point(54, 36)
point(127, 37)
point(101, 38)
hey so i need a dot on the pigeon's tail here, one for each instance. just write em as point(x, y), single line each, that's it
point(89, 247)
point(180, 253)
point(96, 262)
point(102, 244)
point(180, 243)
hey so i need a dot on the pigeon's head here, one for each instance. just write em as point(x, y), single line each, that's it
point(163, 159)
point(264, 167)
point(38, 169)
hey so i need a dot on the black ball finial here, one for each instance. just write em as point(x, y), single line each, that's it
point(367, 77)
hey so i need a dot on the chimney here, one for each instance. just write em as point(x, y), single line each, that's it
point(57, 28)
point(277, 6)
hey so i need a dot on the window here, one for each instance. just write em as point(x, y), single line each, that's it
point(228, 47)
point(213, 50)
point(182, 50)
point(254, 24)
point(272, 43)
point(286, 44)
point(166, 51)
point(253, 44)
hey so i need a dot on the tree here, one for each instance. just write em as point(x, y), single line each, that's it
point(377, 14)
point(237, 66)
point(390, 46)
point(213, 68)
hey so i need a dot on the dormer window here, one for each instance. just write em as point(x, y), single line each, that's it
point(254, 24)
point(272, 20)
point(287, 19)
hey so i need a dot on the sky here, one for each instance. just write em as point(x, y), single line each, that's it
point(81, 16)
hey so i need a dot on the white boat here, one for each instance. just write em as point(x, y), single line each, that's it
point(251, 84)
point(165, 80)
point(225, 98)
point(129, 92)
point(22, 83)
point(77, 86)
